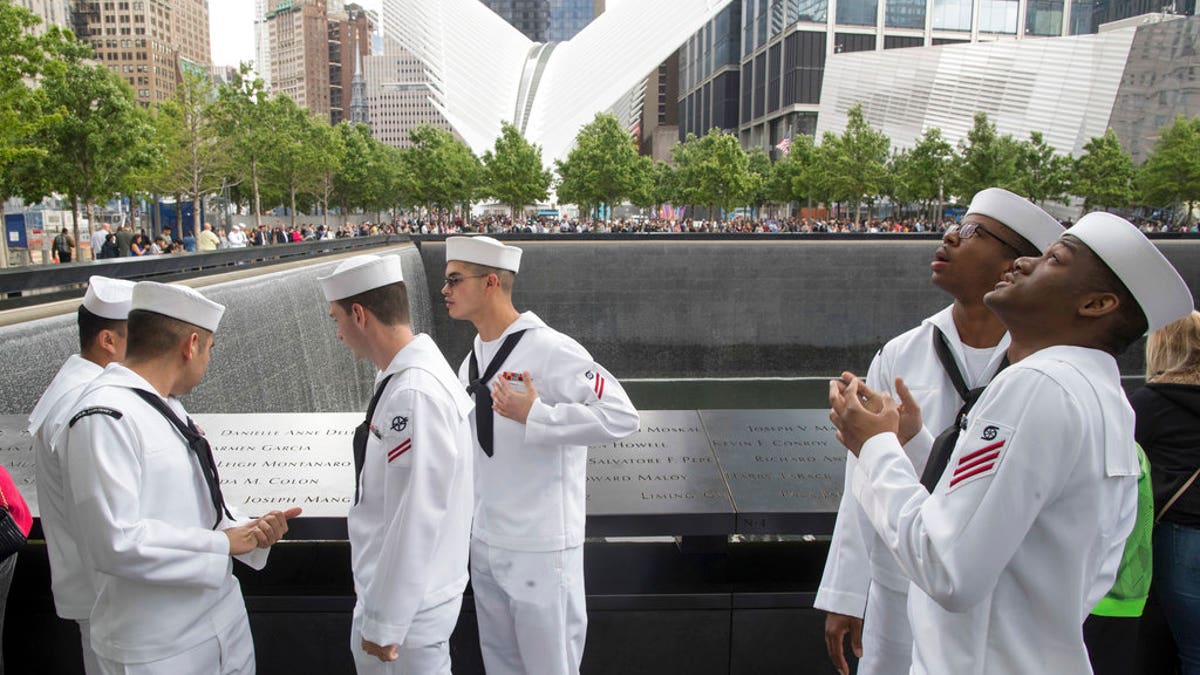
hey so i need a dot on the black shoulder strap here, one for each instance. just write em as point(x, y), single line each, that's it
point(941, 347)
point(199, 446)
point(362, 433)
point(943, 446)
point(483, 396)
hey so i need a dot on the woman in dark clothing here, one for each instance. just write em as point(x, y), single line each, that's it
point(1168, 429)
point(109, 248)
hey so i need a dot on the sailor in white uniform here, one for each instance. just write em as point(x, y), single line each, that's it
point(144, 498)
point(540, 400)
point(410, 525)
point(102, 332)
point(945, 362)
point(1023, 532)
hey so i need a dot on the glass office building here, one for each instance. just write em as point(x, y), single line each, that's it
point(547, 20)
point(785, 45)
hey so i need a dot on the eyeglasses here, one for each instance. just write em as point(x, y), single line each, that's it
point(451, 282)
point(969, 230)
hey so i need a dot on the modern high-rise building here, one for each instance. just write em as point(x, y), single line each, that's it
point(709, 75)
point(1133, 77)
point(548, 20)
point(52, 12)
point(399, 95)
point(350, 30)
point(315, 50)
point(298, 34)
point(262, 42)
point(759, 68)
point(145, 40)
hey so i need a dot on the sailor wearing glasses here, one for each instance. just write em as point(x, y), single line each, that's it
point(942, 361)
point(540, 400)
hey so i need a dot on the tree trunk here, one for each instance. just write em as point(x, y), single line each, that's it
point(91, 212)
point(195, 215)
point(74, 224)
point(3, 239)
point(257, 196)
point(292, 197)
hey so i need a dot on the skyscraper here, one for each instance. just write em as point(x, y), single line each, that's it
point(548, 20)
point(52, 12)
point(262, 43)
point(147, 42)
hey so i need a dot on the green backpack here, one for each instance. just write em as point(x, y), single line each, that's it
point(1128, 595)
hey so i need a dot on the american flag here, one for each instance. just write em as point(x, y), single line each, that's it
point(784, 146)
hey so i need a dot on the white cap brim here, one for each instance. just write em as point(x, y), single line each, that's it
point(1152, 280)
point(360, 274)
point(484, 251)
point(109, 298)
point(178, 302)
point(1019, 215)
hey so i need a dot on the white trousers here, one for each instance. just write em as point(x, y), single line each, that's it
point(887, 634)
point(91, 666)
point(531, 609)
point(229, 653)
point(426, 649)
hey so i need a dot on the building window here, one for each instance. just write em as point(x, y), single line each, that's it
point(813, 11)
point(1044, 17)
point(998, 16)
point(952, 15)
point(905, 14)
point(857, 12)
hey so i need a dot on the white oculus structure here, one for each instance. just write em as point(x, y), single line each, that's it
point(483, 71)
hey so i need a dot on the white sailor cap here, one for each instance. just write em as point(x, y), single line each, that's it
point(484, 251)
point(1151, 279)
point(109, 298)
point(178, 302)
point(1017, 214)
point(361, 274)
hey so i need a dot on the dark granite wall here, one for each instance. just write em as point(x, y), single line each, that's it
point(763, 307)
point(645, 309)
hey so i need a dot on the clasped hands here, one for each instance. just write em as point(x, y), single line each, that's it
point(260, 532)
point(859, 413)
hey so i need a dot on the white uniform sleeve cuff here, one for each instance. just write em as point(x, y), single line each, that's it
point(383, 634)
point(256, 559)
point(840, 602)
point(873, 454)
point(536, 421)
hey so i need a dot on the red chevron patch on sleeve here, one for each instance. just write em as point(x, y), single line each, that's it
point(399, 450)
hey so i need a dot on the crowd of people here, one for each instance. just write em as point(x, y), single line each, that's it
point(124, 241)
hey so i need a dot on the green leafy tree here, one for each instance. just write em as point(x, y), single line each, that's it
point(1171, 174)
point(249, 119)
point(1042, 174)
point(713, 171)
point(98, 138)
point(22, 107)
point(1103, 174)
point(330, 153)
point(855, 162)
point(444, 171)
point(644, 193)
point(297, 164)
point(921, 171)
point(792, 177)
point(195, 155)
point(513, 171)
point(603, 166)
point(985, 159)
point(757, 191)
